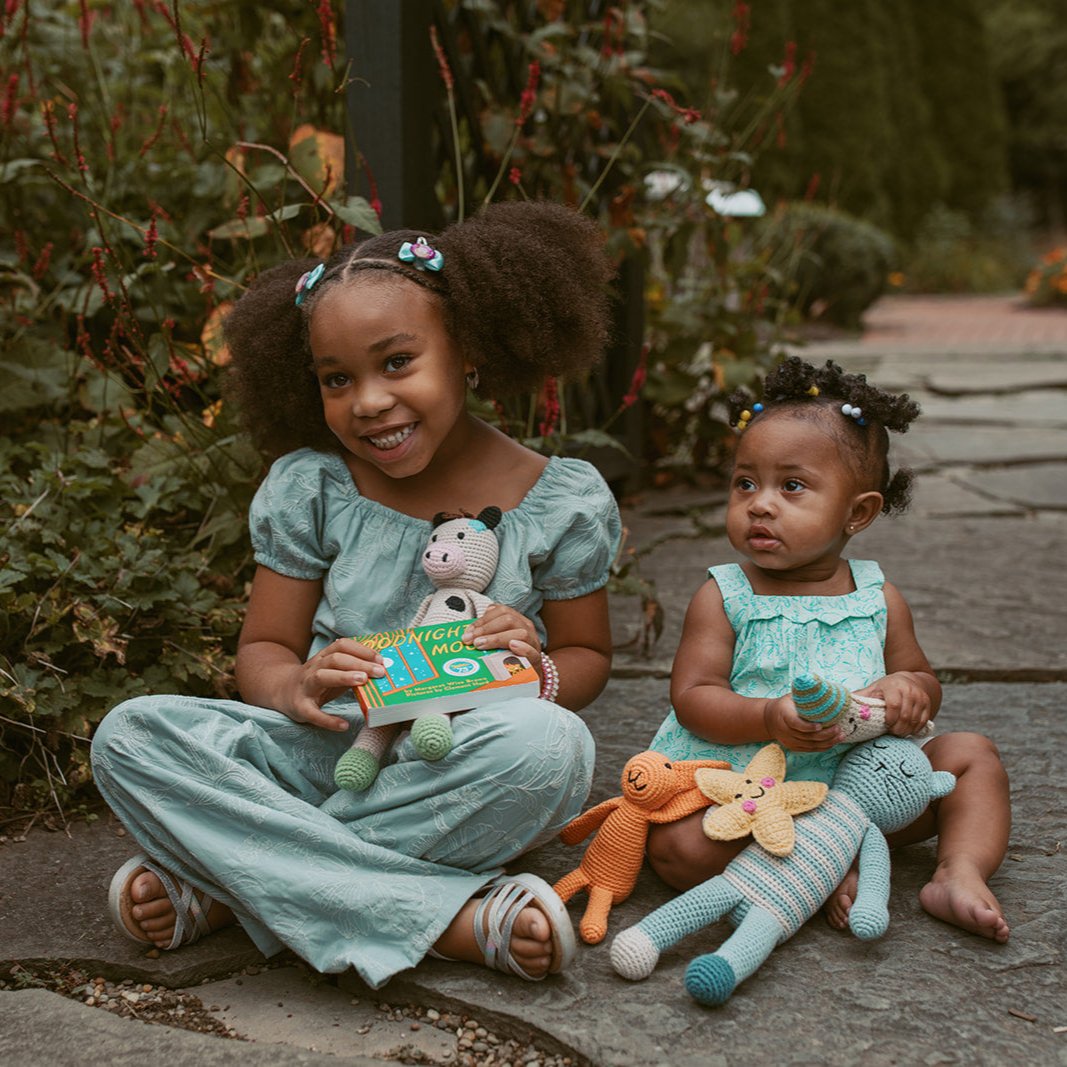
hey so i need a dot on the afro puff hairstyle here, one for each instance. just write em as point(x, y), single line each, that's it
point(524, 294)
point(804, 390)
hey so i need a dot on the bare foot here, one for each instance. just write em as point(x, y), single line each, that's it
point(958, 895)
point(154, 914)
point(836, 909)
point(531, 939)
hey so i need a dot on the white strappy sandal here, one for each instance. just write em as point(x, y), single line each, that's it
point(190, 904)
point(495, 916)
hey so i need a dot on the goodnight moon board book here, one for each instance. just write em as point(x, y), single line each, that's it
point(430, 669)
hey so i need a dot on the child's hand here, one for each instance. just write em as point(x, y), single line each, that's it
point(339, 666)
point(791, 731)
point(502, 627)
point(907, 704)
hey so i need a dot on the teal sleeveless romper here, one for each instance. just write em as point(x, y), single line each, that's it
point(841, 638)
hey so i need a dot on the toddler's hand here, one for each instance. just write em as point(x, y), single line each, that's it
point(907, 704)
point(339, 666)
point(791, 731)
point(502, 627)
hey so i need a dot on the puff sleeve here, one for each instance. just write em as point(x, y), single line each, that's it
point(287, 517)
point(582, 533)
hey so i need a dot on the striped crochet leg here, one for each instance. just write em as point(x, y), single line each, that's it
point(711, 979)
point(635, 952)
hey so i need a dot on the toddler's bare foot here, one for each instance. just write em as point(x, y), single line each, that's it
point(153, 911)
point(531, 939)
point(836, 909)
point(958, 894)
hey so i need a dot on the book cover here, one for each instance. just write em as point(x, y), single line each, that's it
point(430, 669)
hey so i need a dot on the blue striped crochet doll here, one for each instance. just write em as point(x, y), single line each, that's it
point(880, 786)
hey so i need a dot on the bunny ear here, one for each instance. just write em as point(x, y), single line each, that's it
point(941, 784)
point(491, 516)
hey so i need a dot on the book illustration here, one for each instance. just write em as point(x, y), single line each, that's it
point(428, 667)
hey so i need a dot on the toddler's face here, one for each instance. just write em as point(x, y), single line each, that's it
point(391, 380)
point(791, 496)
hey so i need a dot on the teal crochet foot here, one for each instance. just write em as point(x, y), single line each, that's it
point(356, 770)
point(710, 980)
point(432, 736)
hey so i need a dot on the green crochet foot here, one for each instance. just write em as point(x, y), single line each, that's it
point(710, 979)
point(432, 736)
point(356, 770)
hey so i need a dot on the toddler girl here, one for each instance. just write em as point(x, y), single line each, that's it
point(355, 373)
point(810, 473)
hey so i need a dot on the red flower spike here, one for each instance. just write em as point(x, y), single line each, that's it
point(442, 60)
point(529, 94)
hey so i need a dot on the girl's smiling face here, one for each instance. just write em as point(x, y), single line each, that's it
point(793, 498)
point(392, 382)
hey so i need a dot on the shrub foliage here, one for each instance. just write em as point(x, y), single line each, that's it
point(153, 157)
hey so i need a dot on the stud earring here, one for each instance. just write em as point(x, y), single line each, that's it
point(472, 380)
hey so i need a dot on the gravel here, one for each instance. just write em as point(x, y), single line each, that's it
point(474, 1045)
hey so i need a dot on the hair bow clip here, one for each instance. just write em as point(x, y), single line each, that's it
point(421, 254)
point(306, 282)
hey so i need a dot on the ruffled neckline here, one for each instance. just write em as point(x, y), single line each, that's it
point(863, 601)
point(335, 466)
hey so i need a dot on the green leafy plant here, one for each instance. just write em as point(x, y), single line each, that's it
point(150, 162)
point(841, 264)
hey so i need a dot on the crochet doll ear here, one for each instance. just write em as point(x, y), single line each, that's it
point(491, 516)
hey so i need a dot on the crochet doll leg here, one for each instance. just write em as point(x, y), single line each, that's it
point(711, 979)
point(432, 736)
point(571, 883)
point(635, 952)
point(594, 924)
point(358, 767)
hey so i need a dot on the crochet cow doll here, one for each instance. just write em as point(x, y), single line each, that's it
point(880, 786)
point(460, 560)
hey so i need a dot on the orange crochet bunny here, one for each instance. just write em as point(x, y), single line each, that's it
point(654, 789)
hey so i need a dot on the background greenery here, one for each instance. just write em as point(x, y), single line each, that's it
point(155, 155)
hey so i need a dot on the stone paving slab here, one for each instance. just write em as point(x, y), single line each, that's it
point(926, 993)
point(42, 1029)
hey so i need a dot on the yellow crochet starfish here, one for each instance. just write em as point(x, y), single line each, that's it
point(758, 801)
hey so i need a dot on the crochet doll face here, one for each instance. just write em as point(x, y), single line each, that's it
point(649, 779)
point(792, 497)
point(390, 376)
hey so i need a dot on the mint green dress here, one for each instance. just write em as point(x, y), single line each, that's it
point(240, 800)
point(841, 638)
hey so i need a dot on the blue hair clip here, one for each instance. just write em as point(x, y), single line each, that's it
point(421, 254)
point(853, 413)
point(306, 282)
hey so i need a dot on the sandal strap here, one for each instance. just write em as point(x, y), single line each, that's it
point(190, 912)
point(497, 912)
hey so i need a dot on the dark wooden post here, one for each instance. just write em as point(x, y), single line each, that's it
point(393, 90)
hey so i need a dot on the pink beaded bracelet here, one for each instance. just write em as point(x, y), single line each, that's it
point(549, 678)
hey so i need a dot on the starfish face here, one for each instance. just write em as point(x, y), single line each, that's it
point(758, 801)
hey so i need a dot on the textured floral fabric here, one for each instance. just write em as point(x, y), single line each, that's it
point(240, 800)
point(841, 638)
point(308, 520)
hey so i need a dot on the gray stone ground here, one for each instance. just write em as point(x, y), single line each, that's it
point(980, 559)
